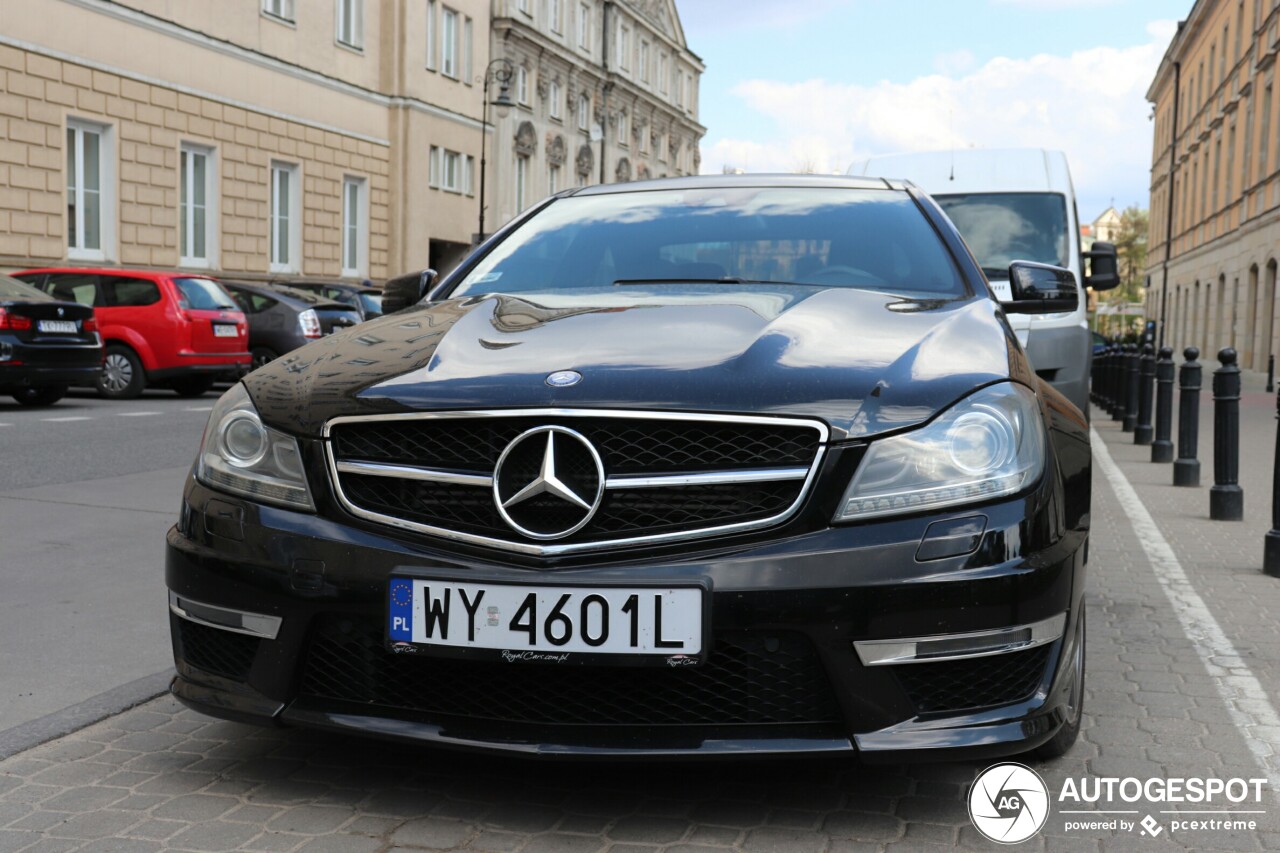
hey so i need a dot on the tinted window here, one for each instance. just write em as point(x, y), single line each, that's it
point(827, 237)
point(372, 302)
point(133, 292)
point(202, 294)
point(1004, 227)
point(12, 288)
point(75, 287)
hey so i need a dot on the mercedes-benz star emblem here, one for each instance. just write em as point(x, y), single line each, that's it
point(548, 482)
point(62, 312)
point(564, 378)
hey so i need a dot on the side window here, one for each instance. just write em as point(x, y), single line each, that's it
point(131, 292)
point(243, 298)
point(259, 303)
point(76, 287)
point(35, 279)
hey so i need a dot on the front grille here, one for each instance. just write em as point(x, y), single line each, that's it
point(213, 650)
point(984, 682)
point(749, 679)
point(734, 451)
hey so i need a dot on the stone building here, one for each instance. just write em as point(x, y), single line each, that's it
point(604, 90)
point(1214, 236)
point(251, 138)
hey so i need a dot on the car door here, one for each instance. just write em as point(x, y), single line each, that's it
point(135, 306)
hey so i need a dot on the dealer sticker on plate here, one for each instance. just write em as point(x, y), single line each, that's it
point(518, 618)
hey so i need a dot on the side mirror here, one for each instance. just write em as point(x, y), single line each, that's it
point(1104, 267)
point(401, 292)
point(1041, 289)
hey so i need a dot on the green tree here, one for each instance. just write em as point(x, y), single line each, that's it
point(1130, 240)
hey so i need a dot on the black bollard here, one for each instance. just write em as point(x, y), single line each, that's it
point(1106, 402)
point(1132, 370)
point(1121, 380)
point(1271, 373)
point(1146, 385)
point(1226, 498)
point(1271, 544)
point(1162, 447)
point(1186, 468)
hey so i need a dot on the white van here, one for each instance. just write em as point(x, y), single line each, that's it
point(1017, 204)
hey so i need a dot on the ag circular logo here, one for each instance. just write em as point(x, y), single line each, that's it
point(1008, 803)
point(564, 378)
point(548, 483)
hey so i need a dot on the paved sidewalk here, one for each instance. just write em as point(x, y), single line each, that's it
point(160, 777)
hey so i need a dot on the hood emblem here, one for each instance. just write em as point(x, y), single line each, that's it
point(548, 483)
point(564, 378)
point(62, 312)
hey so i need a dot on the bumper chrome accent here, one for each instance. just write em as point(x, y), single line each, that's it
point(945, 647)
point(237, 621)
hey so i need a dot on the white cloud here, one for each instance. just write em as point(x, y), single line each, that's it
point(721, 15)
point(955, 62)
point(1090, 104)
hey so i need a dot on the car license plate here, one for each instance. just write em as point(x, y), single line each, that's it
point(64, 327)
point(546, 622)
point(223, 330)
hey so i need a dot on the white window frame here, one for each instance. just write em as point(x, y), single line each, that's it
point(280, 10)
point(643, 61)
point(523, 6)
point(442, 162)
point(105, 190)
point(522, 85)
point(186, 181)
point(624, 46)
point(354, 10)
point(584, 27)
point(662, 72)
point(522, 182)
point(355, 189)
point(291, 240)
point(449, 42)
point(556, 106)
point(553, 179)
point(584, 112)
point(624, 130)
point(556, 16)
point(467, 51)
point(432, 11)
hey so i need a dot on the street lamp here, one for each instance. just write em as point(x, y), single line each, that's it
point(501, 71)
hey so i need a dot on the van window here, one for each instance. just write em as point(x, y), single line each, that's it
point(1005, 227)
point(201, 294)
point(75, 287)
point(133, 292)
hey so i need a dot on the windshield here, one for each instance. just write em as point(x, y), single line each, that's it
point(202, 294)
point(372, 302)
point(1005, 227)
point(820, 236)
point(11, 288)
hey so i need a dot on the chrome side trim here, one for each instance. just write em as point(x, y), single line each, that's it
point(225, 618)
point(414, 472)
point(554, 550)
point(710, 478)
point(945, 647)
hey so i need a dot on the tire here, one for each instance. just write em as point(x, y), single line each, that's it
point(1061, 743)
point(263, 355)
point(122, 377)
point(192, 386)
point(42, 395)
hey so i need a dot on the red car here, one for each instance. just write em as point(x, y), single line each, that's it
point(174, 330)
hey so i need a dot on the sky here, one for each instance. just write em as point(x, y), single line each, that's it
point(797, 85)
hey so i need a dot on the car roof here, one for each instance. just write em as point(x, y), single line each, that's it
point(745, 181)
point(154, 274)
point(288, 295)
point(969, 170)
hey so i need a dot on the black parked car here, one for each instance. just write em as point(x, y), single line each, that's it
point(46, 344)
point(707, 465)
point(282, 319)
point(364, 298)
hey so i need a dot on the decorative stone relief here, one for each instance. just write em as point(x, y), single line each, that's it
point(586, 161)
point(623, 171)
point(526, 139)
point(642, 172)
point(556, 151)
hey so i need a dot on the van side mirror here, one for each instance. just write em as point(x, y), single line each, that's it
point(1041, 289)
point(401, 292)
point(1104, 267)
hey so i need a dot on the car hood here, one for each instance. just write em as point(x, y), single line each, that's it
point(864, 362)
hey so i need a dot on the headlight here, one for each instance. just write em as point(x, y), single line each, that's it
point(240, 454)
point(989, 444)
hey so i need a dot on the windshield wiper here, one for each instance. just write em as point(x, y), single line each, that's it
point(728, 279)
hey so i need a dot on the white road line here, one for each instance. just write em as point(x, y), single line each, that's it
point(5, 425)
point(65, 420)
point(198, 409)
point(1235, 682)
point(136, 414)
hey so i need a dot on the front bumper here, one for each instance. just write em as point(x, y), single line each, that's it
point(784, 676)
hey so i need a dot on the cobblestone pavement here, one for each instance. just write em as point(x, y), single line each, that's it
point(162, 777)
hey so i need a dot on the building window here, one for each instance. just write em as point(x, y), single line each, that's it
point(282, 9)
point(553, 180)
point(557, 16)
point(351, 23)
point(624, 46)
point(522, 181)
point(522, 85)
point(196, 206)
point(354, 228)
point(662, 72)
point(449, 42)
point(451, 171)
point(676, 76)
point(431, 35)
point(524, 7)
point(644, 61)
point(467, 51)
point(624, 129)
point(90, 211)
point(584, 112)
point(1264, 140)
point(584, 27)
point(286, 196)
point(557, 100)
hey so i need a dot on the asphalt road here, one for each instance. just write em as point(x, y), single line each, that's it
point(87, 490)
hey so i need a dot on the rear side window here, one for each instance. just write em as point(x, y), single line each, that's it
point(75, 287)
point(12, 288)
point(202, 294)
point(132, 292)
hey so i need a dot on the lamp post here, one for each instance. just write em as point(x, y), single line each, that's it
point(501, 71)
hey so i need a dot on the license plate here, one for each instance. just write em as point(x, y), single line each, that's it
point(64, 327)
point(546, 623)
point(221, 330)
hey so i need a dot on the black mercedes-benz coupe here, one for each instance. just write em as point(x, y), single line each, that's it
point(725, 465)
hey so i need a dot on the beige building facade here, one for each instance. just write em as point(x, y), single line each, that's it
point(1214, 237)
point(605, 91)
point(248, 138)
